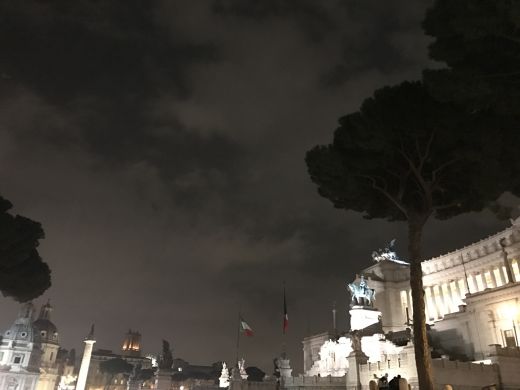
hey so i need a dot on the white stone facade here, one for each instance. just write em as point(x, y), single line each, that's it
point(472, 306)
point(29, 352)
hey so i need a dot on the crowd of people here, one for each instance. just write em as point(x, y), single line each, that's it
point(392, 384)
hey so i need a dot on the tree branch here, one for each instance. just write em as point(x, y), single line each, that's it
point(423, 156)
point(384, 191)
point(441, 167)
point(427, 195)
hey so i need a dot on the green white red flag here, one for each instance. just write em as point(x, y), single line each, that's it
point(245, 328)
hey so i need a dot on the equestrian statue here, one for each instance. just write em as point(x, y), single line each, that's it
point(362, 295)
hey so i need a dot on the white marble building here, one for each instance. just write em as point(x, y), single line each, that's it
point(472, 307)
point(19, 353)
point(29, 352)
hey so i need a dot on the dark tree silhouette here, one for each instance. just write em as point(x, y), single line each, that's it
point(254, 374)
point(23, 274)
point(145, 374)
point(406, 157)
point(480, 43)
point(166, 357)
point(113, 367)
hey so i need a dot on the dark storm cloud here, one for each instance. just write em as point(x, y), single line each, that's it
point(113, 49)
point(371, 34)
point(311, 16)
point(104, 65)
point(161, 145)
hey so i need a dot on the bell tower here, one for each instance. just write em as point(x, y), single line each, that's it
point(48, 336)
point(132, 344)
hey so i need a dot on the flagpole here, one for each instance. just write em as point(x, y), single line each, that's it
point(284, 319)
point(238, 335)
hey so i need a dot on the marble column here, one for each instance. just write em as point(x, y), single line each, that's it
point(493, 278)
point(498, 276)
point(85, 361)
point(437, 296)
point(455, 298)
point(462, 287)
point(430, 303)
point(473, 283)
point(446, 295)
point(503, 274)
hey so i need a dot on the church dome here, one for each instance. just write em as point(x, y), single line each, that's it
point(22, 330)
point(47, 331)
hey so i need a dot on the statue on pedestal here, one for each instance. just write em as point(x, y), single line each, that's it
point(224, 376)
point(361, 293)
point(355, 341)
point(388, 253)
point(242, 368)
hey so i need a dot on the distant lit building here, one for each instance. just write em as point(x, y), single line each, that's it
point(131, 353)
point(132, 344)
point(30, 355)
point(472, 298)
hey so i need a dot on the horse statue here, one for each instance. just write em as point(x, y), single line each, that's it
point(361, 292)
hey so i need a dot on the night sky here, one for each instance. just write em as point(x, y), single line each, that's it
point(161, 144)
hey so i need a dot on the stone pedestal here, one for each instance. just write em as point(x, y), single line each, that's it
point(362, 317)
point(285, 368)
point(133, 384)
point(355, 359)
point(163, 379)
point(235, 382)
point(223, 380)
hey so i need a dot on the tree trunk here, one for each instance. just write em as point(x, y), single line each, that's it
point(422, 349)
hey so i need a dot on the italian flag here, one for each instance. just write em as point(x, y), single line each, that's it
point(245, 328)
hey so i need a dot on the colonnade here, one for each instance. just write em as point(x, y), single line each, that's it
point(445, 297)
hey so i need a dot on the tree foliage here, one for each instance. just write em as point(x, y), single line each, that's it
point(404, 156)
point(113, 367)
point(23, 274)
point(254, 374)
point(479, 40)
point(166, 357)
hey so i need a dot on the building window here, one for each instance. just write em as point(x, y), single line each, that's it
point(509, 337)
point(1, 357)
point(17, 360)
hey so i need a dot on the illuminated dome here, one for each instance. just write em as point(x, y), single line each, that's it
point(48, 333)
point(22, 330)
